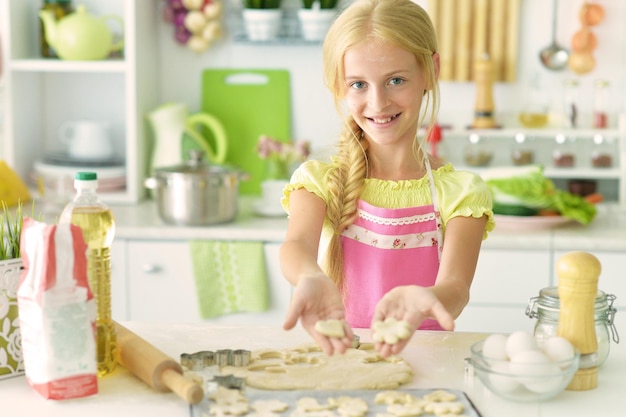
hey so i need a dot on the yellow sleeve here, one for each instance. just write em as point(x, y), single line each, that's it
point(310, 175)
point(464, 194)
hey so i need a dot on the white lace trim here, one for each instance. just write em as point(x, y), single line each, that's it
point(386, 221)
point(404, 241)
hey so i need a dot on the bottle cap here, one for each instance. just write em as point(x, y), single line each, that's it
point(86, 176)
point(85, 180)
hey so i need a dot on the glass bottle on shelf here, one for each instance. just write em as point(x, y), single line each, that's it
point(60, 8)
point(522, 153)
point(564, 153)
point(602, 153)
point(570, 103)
point(600, 104)
point(535, 111)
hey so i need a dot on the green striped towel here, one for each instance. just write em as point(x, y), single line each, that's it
point(230, 277)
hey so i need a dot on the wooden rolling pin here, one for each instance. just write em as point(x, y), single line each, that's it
point(154, 367)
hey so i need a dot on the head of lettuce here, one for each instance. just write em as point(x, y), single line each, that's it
point(524, 191)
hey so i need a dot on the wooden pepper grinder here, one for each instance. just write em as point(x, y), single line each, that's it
point(578, 274)
point(484, 107)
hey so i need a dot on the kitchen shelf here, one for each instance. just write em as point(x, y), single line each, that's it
point(57, 65)
point(501, 142)
point(42, 93)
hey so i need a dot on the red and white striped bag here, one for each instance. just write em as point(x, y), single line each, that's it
point(57, 312)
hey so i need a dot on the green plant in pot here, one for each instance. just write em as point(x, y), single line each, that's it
point(261, 4)
point(11, 361)
point(315, 17)
point(262, 19)
point(323, 4)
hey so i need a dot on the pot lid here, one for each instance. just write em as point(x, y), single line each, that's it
point(196, 164)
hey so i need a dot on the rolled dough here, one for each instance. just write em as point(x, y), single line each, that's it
point(308, 368)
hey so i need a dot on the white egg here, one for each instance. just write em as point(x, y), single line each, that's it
point(500, 379)
point(529, 362)
point(520, 341)
point(549, 379)
point(558, 348)
point(494, 347)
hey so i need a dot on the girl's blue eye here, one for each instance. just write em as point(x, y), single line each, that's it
point(358, 85)
point(396, 81)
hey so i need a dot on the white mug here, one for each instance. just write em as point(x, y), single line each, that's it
point(87, 139)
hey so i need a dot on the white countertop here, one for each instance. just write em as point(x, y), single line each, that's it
point(141, 221)
point(437, 359)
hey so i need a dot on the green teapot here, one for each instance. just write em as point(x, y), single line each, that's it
point(80, 35)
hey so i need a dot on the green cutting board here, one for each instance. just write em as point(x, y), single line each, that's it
point(249, 103)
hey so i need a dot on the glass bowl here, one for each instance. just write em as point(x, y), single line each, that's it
point(523, 382)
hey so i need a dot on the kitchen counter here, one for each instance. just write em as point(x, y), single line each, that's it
point(436, 357)
point(141, 221)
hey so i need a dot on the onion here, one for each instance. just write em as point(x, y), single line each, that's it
point(591, 14)
point(581, 62)
point(584, 40)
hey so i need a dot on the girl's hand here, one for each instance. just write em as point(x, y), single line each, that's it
point(317, 298)
point(412, 304)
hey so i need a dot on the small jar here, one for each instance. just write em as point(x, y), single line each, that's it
point(477, 152)
point(564, 154)
point(522, 153)
point(603, 151)
point(545, 308)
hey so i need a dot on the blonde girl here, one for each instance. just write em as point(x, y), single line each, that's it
point(366, 231)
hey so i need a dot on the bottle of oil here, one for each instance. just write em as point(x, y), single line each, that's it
point(96, 221)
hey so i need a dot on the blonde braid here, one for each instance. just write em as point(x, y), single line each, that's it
point(345, 182)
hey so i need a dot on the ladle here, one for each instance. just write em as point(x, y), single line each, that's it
point(554, 57)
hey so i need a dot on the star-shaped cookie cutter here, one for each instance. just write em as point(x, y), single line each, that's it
point(226, 381)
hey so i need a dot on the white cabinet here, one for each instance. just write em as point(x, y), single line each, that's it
point(504, 281)
point(40, 94)
point(161, 286)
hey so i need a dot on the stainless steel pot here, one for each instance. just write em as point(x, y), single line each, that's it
point(195, 193)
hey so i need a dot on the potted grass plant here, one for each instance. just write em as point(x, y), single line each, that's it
point(315, 17)
point(262, 19)
point(11, 361)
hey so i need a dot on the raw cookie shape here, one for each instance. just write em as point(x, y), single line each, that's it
point(444, 408)
point(349, 406)
point(406, 410)
point(307, 367)
point(225, 395)
point(440, 395)
point(331, 328)
point(391, 397)
point(390, 331)
point(274, 406)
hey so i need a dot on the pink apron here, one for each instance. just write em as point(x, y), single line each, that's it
point(386, 248)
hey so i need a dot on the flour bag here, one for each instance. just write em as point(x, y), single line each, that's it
point(57, 312)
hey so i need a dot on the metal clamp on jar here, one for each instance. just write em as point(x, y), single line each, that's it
point(545, 308)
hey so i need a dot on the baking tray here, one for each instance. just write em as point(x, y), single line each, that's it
point(291, 398)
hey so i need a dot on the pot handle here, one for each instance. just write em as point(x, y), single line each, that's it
point(218, 154)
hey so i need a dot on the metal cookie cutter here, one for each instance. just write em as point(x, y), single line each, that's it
point(197, 361)
point(206, 358)
point(226, 381)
